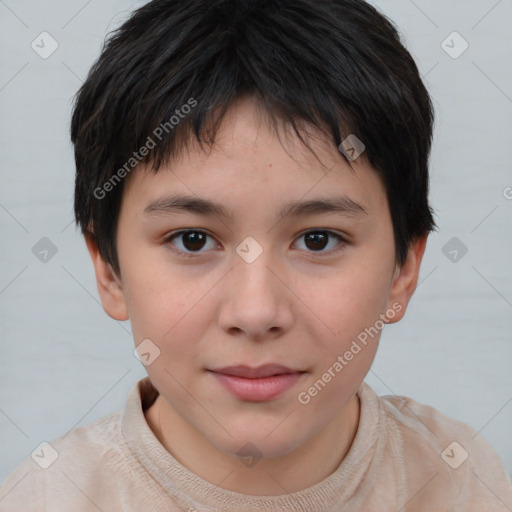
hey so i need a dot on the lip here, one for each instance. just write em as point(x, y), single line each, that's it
point(257, 384)
point(248, 372)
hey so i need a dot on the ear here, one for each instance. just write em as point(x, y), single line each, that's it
point(405, 280)
point(109, 284)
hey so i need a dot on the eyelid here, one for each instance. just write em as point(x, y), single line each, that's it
point(326, 230)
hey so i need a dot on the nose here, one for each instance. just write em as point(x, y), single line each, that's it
point(256, 303)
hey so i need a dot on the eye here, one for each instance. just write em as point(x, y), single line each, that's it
point(317, 240)
point(190, 241)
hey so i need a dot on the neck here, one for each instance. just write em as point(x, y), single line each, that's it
point(321, 454)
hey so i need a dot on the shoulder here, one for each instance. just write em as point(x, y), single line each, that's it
point(446, 460)
point(54, 463)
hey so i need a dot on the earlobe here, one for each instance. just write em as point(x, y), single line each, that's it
point(108, 283)
point(405, 279)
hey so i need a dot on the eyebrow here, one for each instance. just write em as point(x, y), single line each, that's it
point(200, 206)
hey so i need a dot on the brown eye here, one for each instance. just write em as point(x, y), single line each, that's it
point(319, 240)
point(316, 241)
point(193, 240)
point(190, 241)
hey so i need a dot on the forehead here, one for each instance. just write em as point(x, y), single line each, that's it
point(251, 158)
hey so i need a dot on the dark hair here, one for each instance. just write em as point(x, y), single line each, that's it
point(337, 65)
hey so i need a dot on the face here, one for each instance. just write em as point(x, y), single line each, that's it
point(267, 319)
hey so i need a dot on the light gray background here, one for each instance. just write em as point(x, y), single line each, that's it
point(65, 363)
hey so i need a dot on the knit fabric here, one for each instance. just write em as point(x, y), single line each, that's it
point(405, 456)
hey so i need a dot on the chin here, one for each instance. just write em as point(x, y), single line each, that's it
point(258, 443)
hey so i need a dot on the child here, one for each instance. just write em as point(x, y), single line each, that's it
point(252, 185)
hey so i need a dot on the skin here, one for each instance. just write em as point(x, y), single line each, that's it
point(297, 304)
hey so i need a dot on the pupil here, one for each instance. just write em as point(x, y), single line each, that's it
point(318, 239)
point(193, 240)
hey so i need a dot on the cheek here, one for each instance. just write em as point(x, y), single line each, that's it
point(346, 341)
point(155, 297)
point(170, 310)
point(347, 303)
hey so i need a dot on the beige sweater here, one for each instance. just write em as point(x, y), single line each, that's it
point(402, 459)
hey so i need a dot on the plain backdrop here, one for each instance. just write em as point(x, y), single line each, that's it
point(65, 363)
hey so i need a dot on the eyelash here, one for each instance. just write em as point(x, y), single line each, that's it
point(329, 233)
